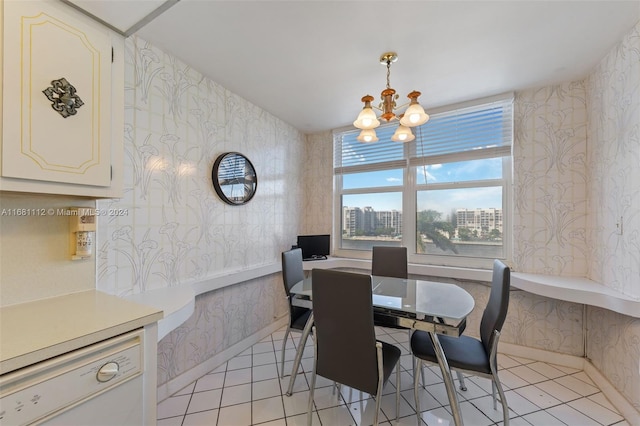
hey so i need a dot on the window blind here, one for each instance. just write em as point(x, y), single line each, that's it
point(351, 155)
point(482, 131)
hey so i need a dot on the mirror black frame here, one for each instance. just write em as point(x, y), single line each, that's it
point(239, 171)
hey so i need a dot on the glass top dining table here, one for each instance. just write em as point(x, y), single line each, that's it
point(417, 299)
point(434, 307)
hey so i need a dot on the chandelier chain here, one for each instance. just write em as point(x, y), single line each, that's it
point(388, 74)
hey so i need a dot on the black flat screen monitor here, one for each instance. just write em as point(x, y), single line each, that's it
point(314, 247)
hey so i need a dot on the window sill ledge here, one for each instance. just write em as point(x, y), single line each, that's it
point(578, 290)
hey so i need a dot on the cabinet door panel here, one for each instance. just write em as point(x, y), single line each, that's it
point(45, 49)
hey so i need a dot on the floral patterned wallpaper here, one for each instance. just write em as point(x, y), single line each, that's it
point(173, 230)
point(550, 197)
point(614, 163)
point(613, 347)
point(533, 321)
point(613, 90)
point(221, 319)
point(318, 184)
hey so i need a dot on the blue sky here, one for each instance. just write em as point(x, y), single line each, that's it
point(442, 200)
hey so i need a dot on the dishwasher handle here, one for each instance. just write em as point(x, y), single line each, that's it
point(107, 372)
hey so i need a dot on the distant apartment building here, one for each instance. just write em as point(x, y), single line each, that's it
point(352, 220)
point(365, 221)
point(368, 220)
point(479, 221)
point(390, 220)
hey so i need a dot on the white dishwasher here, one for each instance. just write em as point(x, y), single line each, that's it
point(100, 384)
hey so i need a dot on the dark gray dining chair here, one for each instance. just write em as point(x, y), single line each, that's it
point(292, 273)
point(467, 354)
point(389, 261)
point(345, 346)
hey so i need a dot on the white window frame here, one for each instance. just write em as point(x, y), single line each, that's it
point(409, 191)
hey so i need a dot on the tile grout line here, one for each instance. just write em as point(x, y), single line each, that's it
point(472, 400)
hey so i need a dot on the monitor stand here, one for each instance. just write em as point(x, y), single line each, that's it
point(316, 257)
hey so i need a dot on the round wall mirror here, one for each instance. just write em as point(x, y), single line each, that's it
point(234, 178)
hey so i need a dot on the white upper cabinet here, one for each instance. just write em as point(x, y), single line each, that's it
point(63, 106)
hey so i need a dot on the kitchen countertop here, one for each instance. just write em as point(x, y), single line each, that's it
point(35, 331)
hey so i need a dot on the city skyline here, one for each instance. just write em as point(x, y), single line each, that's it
point(369, 220)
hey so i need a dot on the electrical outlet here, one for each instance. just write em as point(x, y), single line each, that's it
point(619, 226)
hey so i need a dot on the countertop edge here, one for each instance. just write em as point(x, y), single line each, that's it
point(577, 290)
point(106, 327)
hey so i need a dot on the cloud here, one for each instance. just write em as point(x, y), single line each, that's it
point(392, 179)
point(428, 177)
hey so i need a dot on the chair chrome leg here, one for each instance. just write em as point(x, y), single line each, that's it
point(503, 400)
point(463, 387)
point(336, 386)
point(380, 376)
point(312, 385)
point(375, 415)
point(448, 380)
point(495, 382)
point(415, 387)
point(284, 344)
point(493, 393)
point(417, 366)
point(397, 389)
point(310, 404)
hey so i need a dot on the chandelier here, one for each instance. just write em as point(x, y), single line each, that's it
point(413, 116)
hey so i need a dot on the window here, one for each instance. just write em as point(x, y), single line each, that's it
point(444, 195)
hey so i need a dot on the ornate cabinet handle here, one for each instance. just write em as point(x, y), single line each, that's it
point(63, 97)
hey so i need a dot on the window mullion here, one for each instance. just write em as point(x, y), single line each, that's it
point(455, 185)
point(409, 205)
point(372, 190)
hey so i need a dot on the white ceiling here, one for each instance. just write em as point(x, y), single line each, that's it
point(309, 62)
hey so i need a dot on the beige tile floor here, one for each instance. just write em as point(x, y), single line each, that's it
point(246, 390)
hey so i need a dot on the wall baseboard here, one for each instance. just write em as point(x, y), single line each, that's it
point(542, 355)
point(174, 385)
point(630, 413)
